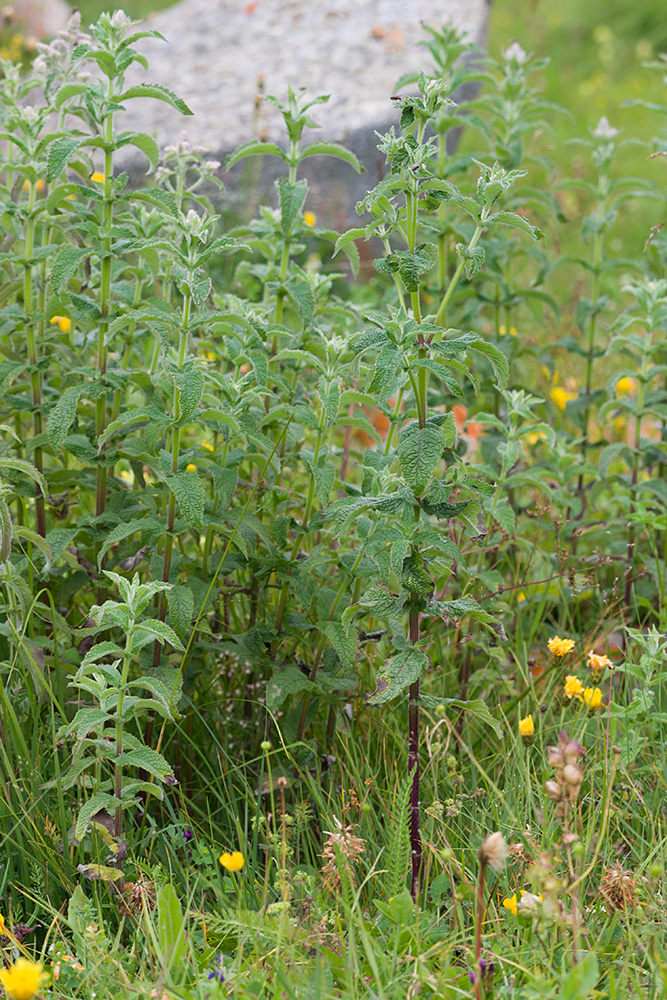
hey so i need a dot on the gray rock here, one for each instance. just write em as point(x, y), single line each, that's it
point(220, 54)
point(40, 18)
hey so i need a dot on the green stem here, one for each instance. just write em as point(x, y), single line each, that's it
point(440, 317)
point(127, 657)
point(35, 376)
point(105, 298)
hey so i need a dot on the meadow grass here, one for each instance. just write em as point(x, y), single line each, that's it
point(333, 624)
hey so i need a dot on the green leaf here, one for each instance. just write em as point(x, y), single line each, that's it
point(62, 416)
point(67, 91)
point(397, 674)
point(498, 360)
point(146, 143)
point(254, 148)
point(190, 383)
point(411, 266)
point(188, 489)
point(59, 154)
point(344, 644)
point(181, 604)
point(154, 629)
point(517, 222)
point(333, 149)
point(19, 465)
point(157, 92)
point(65, 265)
point(150, 414)
point(324, 483)
point(87, 720)
point(419, 451)
point(472, 259)
point(475, 707)
point(101, 800)
point(292, 198)
point(148, 760)
point(581, 980)
point(5, 531)
point(124, 530)
point(171, 930)
point(285, 682)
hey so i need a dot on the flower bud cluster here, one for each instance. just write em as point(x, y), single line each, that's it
point(564, 787)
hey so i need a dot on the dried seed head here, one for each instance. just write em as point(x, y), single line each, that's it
point(493, 851)
point(618, 889)
point(573, 774)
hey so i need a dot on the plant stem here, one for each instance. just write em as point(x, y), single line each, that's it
point(35, 376)
point(440, 317)
point(413, 764)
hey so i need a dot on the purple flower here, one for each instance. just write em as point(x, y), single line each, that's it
point(188, 834)
point(486, 972)
point(217, 972)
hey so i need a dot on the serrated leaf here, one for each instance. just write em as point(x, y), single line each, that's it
point(20, 465)
point(158, 93)
point(498, 360)
point(516, 222)
point(397, 674)
point(292, 198)
point(412, 266)
point(62, 416)
point(181, 603)
point(285, 682)
point(419, 451)
point(148, 760)
point(104, 872)
point(472, 259)
point(254, 148)
point(344, 644)
point(122, 531)
point(64, 267)
point(188, 489)
point(101, 800)
point(333, 149)
point(301, 294)
point(324, 483)
point(59, 154)
point(190, 384)
point(146, 143)
point(154, 629)
point(87, 719)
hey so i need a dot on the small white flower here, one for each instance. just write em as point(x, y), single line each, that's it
point(603, 130)
point(515, 54)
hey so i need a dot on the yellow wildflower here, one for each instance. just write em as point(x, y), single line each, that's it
point(233, 862)
point(503, 330)
point(592, 698)
point(39, 185)
point(190, 467)
point(573, 687)
point(626, 385)
point(64, 323)
point(596, 662)
point(521, 596)
point(310, 219)
point(97, 177)
point(207, 446)
point(512, 903)
point(561, 396)
point(22, 980)
point(210, 356)
point(559, 647)
point(527, 726)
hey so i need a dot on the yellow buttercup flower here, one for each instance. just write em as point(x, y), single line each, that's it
point(233, 862)
point(64, 323)
point(22, 980)
point(626, 385)
point(98, 177)
point(310, 219)
point(207, 446)
point(527, 726)
point(521, 596)
point(573, 687)
point(560, 647)
point(561, 396)
point(592, 698)
point(190, 467)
